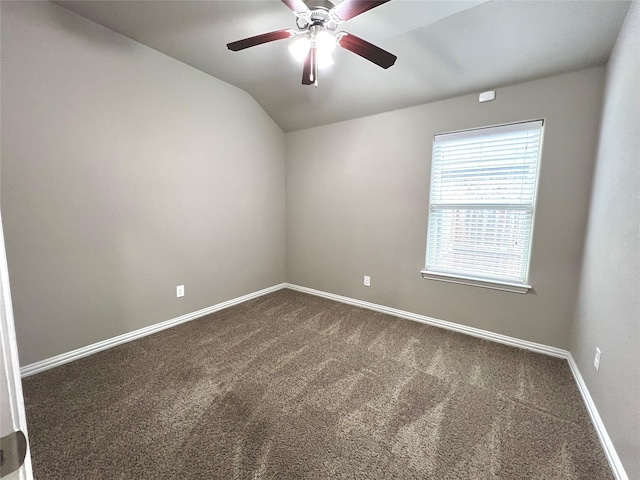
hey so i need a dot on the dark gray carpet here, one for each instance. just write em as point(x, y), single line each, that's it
point(291, 386)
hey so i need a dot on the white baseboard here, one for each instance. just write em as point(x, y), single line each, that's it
point(605, 440)
point(456, 327)
point(63, 358)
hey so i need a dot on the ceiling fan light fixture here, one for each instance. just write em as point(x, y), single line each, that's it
point(299, 48)
point(325, 41)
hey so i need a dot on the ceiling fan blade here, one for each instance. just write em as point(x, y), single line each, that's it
point(351, 8)
point(310, 68)
point(260, 39)
point(366, 50)
point(297, 6)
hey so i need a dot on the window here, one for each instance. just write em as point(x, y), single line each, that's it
point(481, 207)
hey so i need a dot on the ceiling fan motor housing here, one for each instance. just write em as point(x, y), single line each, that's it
point(316, 4)
point(319, 14)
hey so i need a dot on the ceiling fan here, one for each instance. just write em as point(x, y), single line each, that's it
point(317, 21)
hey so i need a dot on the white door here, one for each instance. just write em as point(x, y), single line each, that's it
point(12, 416)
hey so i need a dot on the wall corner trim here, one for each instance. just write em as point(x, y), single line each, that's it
point(605, 440)
point(456, 327)
point(67, 357)
point(609, 450)
point(603, 436)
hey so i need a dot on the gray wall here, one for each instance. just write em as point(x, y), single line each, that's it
point(124, 174)
point(357, 199)
point(608, 307)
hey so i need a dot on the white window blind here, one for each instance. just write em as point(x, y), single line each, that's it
point(483, 190)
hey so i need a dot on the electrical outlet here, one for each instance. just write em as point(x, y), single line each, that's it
point(596, 359)
point(367, 281)
point(180, 291)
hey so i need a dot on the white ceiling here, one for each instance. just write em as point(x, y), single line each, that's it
point(444, 48)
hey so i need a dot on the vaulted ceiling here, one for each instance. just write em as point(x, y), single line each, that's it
point(444, 48)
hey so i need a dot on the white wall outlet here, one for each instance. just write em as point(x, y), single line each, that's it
point(180, 291)
point(367, 281)
point(596, 359)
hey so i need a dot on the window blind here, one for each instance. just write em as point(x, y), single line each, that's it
point(483, 190)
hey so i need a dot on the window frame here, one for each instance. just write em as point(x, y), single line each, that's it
point(479, 281)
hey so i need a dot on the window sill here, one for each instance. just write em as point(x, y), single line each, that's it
point(477, 282)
